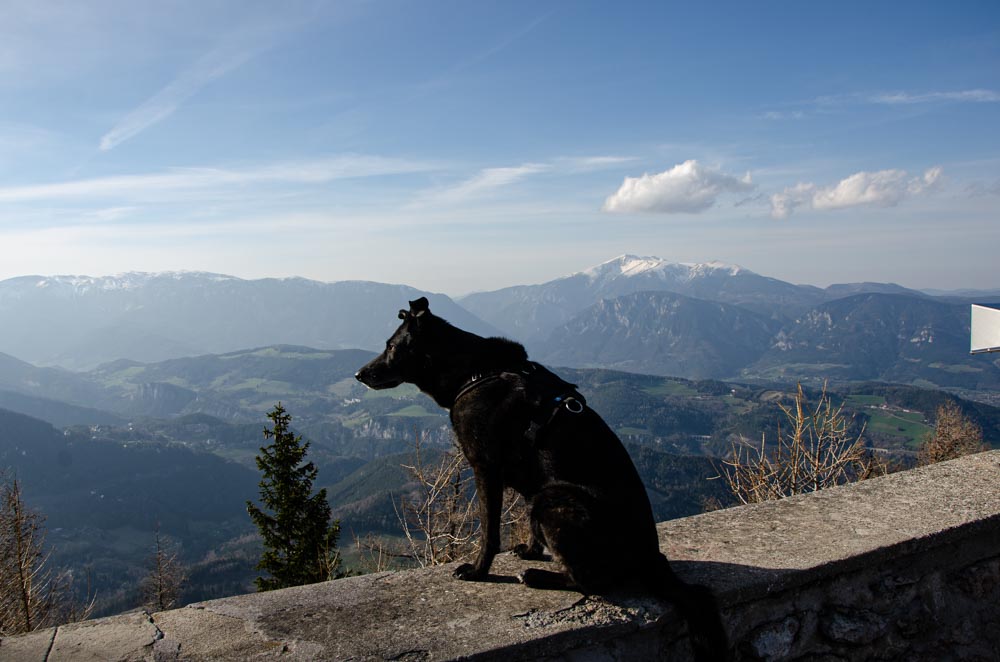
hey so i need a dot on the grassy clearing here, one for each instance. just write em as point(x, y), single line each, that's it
point(264, 386)
point(787, 371)
point(273, 352)
point(402, 392)
point(343, 388)
point(908, 425)
point(413, 411)
point(955, 368)
point(669, 387)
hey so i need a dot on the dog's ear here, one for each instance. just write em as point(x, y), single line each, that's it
point(419, 307)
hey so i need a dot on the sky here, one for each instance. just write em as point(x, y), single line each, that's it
point(464, 146)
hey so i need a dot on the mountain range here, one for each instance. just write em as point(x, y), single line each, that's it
point(80, 322)
point(640, 314)
point(531, 312)
point(661, 333)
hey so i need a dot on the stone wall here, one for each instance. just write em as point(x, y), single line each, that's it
point(905, 567)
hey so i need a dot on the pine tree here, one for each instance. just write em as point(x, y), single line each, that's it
point(300, 542)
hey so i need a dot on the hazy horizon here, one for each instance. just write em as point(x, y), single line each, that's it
point(470, 147)
point(453, 294)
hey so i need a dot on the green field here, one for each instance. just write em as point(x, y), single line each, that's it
point(404, 391)
point(787, 371)
point(908, 425)
point(955, 368)
point(670, 387)
point(263, 386)
point(343, 388)
point(275, 352)
point(413, 411)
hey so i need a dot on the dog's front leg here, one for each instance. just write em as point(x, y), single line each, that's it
point(489, 486)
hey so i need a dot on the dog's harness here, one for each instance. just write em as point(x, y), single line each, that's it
point(548, 394)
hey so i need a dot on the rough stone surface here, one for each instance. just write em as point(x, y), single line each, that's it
point(902, 567)
point(32, 646)
point(773, 641)
point(127, 637)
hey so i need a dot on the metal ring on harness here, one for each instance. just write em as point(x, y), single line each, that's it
point(574, 406)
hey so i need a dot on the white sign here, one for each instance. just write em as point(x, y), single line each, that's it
point(985, 328)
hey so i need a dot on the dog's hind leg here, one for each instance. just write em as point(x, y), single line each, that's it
point(562, 517)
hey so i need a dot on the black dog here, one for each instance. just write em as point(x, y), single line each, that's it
point(521, 426)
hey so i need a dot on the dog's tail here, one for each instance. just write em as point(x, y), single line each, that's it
point(699, 609)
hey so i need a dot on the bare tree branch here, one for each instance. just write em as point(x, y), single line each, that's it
point(815, 451)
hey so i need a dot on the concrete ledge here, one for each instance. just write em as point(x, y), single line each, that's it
point(901, 567)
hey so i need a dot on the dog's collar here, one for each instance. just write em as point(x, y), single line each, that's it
point(480, 378)
point(570, 399)
point(475, 382)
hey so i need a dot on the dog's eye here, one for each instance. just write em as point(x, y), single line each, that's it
point(389, 346)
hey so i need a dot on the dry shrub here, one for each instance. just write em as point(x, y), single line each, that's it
point(955, 435)
point(814, 452)
point(439, 518)
point(161, 587)
point(32, 594)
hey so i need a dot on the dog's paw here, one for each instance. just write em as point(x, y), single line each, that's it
point(529, 553)
point(544, 579)
point(529, 577)
point(467, 572)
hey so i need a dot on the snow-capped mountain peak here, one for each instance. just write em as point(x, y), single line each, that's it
point(131, 280)
point(630, 266)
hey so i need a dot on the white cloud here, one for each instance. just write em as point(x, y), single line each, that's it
point(784, 203)
point(783, 115)
point(163, 104)
point(980, 188)
point(826, 103)
point(482, 184)
point(596, 162)
point(236, 46)
point(110, 214)
point(970, 96)
point(688, 187)
point(885, 188)
point(316, 171)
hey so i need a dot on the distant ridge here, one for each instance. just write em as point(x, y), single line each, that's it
point(662, 333)
point(634, 312)
point(79, 322)
point(530, 312)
